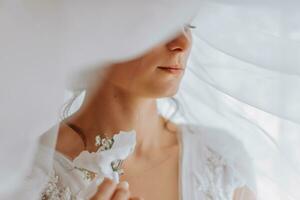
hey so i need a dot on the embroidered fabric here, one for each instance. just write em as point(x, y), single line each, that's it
point(216, 177)
point(55, 190)
point(221, 180)
point(216, 168)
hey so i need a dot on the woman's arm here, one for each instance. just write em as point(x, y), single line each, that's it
point(244, 193)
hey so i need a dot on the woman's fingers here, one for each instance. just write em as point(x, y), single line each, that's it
point(105, 190)
point(110, 190)
point(122, 192)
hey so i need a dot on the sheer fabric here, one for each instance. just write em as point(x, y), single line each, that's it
point(242, 76)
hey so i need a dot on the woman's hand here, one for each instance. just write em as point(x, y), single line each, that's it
point(110, 190)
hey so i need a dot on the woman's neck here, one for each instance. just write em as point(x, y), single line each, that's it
point(110, 110)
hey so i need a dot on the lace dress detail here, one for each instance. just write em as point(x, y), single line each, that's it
point(206, 174)
point(218, 179)
point(217, 162)
point(214, 167)
point(55, 189)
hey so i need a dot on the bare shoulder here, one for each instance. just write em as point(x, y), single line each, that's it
point(168, 123)
point(68, 141)
point(244, 193)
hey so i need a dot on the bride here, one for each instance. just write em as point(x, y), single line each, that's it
point(169, 162)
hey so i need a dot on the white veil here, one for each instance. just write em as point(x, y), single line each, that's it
point(242, 76)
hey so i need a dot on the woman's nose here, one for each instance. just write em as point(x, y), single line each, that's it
point(180, 43)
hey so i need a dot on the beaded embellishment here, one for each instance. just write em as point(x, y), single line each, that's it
point(55, 191)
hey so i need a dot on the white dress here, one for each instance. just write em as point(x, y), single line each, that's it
point(204, 173)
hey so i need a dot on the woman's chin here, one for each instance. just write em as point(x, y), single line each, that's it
point(167, 93)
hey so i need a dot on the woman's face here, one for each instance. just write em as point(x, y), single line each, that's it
point(158, 72)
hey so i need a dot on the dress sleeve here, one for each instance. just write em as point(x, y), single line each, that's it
point(239, 169)
point(227, 161)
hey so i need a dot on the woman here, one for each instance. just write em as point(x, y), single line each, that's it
point(244, 52)
point(125, 98)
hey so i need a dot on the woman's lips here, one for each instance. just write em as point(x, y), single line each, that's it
point(172, 69)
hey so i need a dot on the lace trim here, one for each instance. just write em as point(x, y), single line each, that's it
point(55, 190)
point(212, 185)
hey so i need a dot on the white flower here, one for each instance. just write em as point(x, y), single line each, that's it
point(100, 162)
